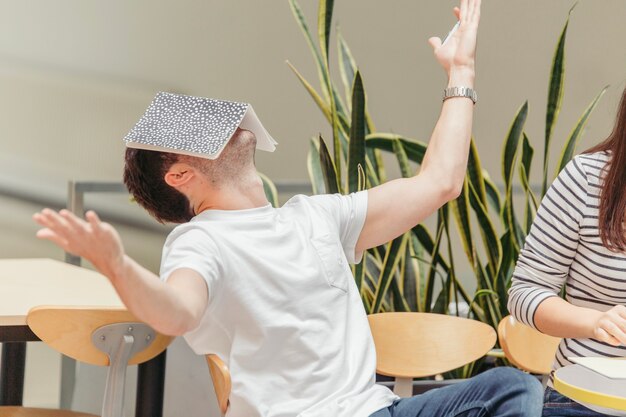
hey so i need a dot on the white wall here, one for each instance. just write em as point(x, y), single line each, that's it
point(79, 73)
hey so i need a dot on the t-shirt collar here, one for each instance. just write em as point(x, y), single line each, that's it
point(212, 214)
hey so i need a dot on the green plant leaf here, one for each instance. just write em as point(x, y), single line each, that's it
point(356, 152)
point(524, 170)
point(390, 264)
point(525, 165)
point(299, 16)
point(478, 312)
point(434, 254)
point(442, 301)
point(430, 245)
point(485, 286)
point(480, 193)
point(359, 272)
point(510, 220)
point(314, 167)
point(414, 149)
point(493, 195)
point(555, 97)
point(511, 144)
point(451, 281)
point(321, 104)
point(487, 231)
point(375, 155)
point(461, 212)
point(362, 183)
point(347, 68)
point(270, 190)
point(342, 113)
point(375, 166)
point(482, 293)
point(412, 274)
point(324, 15)
point(372, 268)
point(347, 65)
point(337, 148)
point(403, 160)
point(475, 173)
point(570, 146)
point(328, 168)
point(503, 279)
point(399, 303)
point(509, 157)
point(343, 125)
point(324, 21)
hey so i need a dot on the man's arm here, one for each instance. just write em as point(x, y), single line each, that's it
point(173, 307)
point(397, 206)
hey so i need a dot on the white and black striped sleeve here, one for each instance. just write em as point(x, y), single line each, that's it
point(544, 262)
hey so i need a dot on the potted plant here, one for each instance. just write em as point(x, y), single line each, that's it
point(416, 271)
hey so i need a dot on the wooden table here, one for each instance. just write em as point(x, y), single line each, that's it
point(25, 283)
point(586, 386)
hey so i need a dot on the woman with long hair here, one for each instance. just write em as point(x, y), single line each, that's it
point(578, 243)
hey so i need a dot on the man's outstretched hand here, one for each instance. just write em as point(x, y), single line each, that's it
point(459, 51)
point(94, 240)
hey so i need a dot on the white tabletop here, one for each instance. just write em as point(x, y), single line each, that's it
point(589, 387)
point(25, 283)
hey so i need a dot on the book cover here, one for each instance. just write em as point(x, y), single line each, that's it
point(195, 126)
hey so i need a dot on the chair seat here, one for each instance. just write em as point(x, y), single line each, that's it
point(9, 411)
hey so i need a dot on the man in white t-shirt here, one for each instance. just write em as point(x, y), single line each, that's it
point(270, 290)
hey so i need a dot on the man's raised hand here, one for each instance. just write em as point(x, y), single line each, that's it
point(94, 240)
point(459, 51)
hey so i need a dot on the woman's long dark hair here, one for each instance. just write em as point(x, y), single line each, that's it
point(613, 195)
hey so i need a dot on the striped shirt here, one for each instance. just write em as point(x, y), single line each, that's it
point(564, 249)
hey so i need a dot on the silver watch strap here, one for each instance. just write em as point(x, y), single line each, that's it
point(468, 92)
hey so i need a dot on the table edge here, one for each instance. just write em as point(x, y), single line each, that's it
point(591, 397)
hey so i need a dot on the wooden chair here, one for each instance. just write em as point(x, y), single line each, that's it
point(221, 380)
point(414, 345)
point(525, 347)
point(98, 336)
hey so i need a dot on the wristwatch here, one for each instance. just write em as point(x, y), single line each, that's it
point(460, 92)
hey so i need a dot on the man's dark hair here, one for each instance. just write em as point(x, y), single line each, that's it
point(144, 173)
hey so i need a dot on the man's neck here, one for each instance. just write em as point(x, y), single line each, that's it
point(242, 195)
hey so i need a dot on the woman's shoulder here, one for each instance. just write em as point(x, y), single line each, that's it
point(593, 167)
point(595, 160)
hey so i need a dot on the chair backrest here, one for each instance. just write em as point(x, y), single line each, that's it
point(525, 347)
point(413, 345)
point(109, 336)
point(221, 380)
point(416, 345)
point(69, 330)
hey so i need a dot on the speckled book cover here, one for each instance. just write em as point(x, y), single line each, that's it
point(195, 126)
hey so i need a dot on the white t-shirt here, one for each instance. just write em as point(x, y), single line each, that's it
point(284, 312)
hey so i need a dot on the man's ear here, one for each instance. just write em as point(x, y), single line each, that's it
point(178, 175)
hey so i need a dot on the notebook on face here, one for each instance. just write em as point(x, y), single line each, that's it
point(195, 126)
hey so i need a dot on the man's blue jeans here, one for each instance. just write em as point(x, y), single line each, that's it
point(499, 392)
